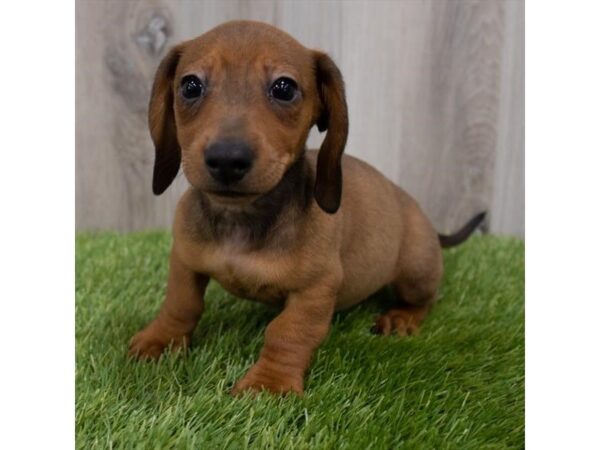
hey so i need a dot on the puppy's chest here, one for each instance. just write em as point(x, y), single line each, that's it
point(253, 275)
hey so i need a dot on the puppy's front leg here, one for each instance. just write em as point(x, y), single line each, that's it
point(290, 340)
point(178, 316)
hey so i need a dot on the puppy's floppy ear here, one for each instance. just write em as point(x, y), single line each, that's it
point(333, 117)
point(161, 119)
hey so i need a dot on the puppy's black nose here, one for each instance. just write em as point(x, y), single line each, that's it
point(228, 161)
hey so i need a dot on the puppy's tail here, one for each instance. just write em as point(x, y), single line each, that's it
point(463, 234)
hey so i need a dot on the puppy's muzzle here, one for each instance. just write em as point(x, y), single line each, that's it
point(228, 161)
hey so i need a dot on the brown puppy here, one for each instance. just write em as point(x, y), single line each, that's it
point(267, 219)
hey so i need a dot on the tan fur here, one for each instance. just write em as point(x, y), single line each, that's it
point(274, 242)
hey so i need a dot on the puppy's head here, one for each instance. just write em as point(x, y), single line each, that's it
point(234, 108)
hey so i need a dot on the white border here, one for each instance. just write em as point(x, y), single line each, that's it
point(563, 224)
point(37, 226)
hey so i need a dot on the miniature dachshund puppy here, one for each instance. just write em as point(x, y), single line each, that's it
point(269, 220)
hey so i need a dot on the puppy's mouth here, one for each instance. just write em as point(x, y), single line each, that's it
point(231, 195)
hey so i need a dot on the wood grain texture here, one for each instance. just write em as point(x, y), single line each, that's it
point(508, 203)
point(435, 92)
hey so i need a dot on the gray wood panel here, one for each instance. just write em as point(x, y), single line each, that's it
point(508, 203)
point(435, 91)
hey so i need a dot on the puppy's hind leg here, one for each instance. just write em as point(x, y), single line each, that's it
point(416, 286)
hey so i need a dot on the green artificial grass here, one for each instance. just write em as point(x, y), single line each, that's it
point(459, 384)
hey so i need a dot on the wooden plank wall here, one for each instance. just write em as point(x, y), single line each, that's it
point(435, 90)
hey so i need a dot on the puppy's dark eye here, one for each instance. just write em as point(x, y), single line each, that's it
point(191, 87)
point(284, 89)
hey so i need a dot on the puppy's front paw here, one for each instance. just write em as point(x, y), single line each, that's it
point(151, 342)
point(260, 378)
